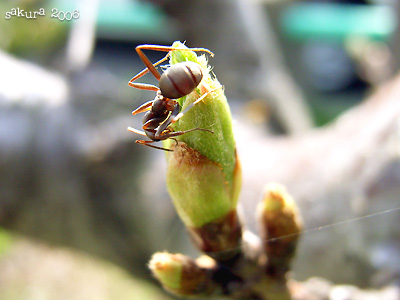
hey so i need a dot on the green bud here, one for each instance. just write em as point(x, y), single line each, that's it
point(167, 269)
point(203, 175)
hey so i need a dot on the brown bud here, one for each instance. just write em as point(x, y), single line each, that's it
point(280, 227)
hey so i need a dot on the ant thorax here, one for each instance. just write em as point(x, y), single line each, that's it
point(158, 103)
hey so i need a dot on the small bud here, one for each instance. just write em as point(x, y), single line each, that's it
point(280, 227)
point(181, 275)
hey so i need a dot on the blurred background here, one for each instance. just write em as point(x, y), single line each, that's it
point(313, 91)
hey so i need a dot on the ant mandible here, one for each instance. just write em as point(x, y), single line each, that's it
point(177, 81)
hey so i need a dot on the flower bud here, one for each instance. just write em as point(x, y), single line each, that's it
point(280, 227)
point(203, 173)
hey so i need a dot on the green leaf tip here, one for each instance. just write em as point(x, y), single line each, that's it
point(186, 55)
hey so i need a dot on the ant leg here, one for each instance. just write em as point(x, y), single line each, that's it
point(143, 86)
point(166, 123)
point(131, 129)
point(169, 48)
point(190, 106)
point(144, 107)
point(160, 135)
point(176, 115)
point(164, 137)
point(149, 67)
point(178, 133)
point(147, 143)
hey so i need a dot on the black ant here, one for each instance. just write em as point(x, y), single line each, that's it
point(177, 81)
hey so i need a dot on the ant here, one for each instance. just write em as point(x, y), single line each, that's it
point(177, 81)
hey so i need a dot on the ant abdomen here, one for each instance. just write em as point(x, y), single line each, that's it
point(180, 79)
